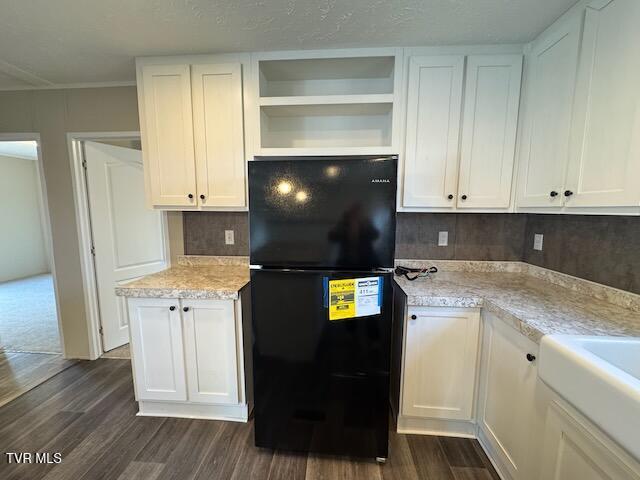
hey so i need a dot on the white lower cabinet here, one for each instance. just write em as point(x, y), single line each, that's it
point(510, 419)
point(210, 351)
point(157, 350)
point(441, 350)
point(573, 448)
point(187, 358)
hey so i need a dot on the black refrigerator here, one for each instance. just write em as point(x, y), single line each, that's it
point(322, 240)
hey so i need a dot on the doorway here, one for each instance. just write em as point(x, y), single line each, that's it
point(124, 240)
point(31, 348)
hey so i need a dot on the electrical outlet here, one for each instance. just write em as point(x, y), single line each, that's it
point(228, 237)
point(537, 241)
point(443, 239)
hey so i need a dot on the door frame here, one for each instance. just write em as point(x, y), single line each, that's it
point(75, 142)
point(45, 219)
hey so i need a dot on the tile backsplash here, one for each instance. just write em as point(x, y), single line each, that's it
point(604, 249)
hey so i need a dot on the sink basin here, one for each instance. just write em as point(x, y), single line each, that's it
point(600, 376)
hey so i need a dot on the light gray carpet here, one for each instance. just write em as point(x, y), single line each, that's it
point(28, 319)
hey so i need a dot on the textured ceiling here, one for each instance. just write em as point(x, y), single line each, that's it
point(71, 41)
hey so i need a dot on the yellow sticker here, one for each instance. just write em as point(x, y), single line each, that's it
point(342, 299)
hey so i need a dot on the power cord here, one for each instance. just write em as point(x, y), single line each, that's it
point(414, 272)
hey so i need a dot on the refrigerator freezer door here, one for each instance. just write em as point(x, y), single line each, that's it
point(329, 213)
point(320, 385)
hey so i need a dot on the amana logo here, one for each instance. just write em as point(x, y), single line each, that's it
point(380, 180)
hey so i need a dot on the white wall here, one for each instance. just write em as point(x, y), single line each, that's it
point(23, 250)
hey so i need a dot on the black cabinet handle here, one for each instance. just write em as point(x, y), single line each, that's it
point(190, 196)
point(568, 193)
point(530, 357)
point(185, 309)
point(413, 317)
point(463, 197)
point(201, 197)
point(450, 196)
point(172, 308)
point(553, 194)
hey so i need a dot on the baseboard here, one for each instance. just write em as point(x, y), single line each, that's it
point(493, 456)
point(436, 426)
point(231, 413)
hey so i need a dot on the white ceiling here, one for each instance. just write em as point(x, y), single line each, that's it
point(45, 42)
point(26, 149)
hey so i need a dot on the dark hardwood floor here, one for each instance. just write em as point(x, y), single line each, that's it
point(87, 413)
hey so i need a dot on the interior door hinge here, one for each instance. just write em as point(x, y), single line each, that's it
point(84, 164)
point(100, 330)
point(93, 250)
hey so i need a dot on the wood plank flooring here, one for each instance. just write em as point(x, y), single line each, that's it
point(20, 372)
point(87, 413)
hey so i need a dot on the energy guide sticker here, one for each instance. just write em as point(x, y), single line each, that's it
point(354, 297)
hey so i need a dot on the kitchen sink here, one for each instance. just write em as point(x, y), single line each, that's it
point(600, 376)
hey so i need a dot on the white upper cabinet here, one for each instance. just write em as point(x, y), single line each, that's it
point(191, 117)
point(604, 165)
point(332, 102)
point(434, 104)
point(167, 132)
point(550, 78)
point(218, 129)
point(490, 119)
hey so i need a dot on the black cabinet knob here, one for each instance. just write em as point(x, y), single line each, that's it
point(463, 197)
point(450, 196)
point(172, 308)
point(568, 193)
point(413, 317)
point(190, 196)
point(201, 197)
point(553, 193)
point(185, 309)
point(530, 357)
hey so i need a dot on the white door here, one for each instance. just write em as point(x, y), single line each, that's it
point(167, 134)
point(129, 240)
point(604, 165)
point(440, 362)
point(219, 136)
point(157, 352)
point(506, 403)
point(544, 153)
point(492, 97)
point(572, 449)
point(434, 104)
point(210, 351)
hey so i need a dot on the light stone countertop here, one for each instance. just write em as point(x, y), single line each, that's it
point(218, 282)
point(534, 306)
point(535, 301)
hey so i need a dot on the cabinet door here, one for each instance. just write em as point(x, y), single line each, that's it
point(167, 131)
point(551, 75)
point(210, 351)
point(604, 163)
point(506, 403)
point(492, 97)
point(219, 134)
point(434, 104)
point(440, 362)
point(156, 344)
point(572, 449)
